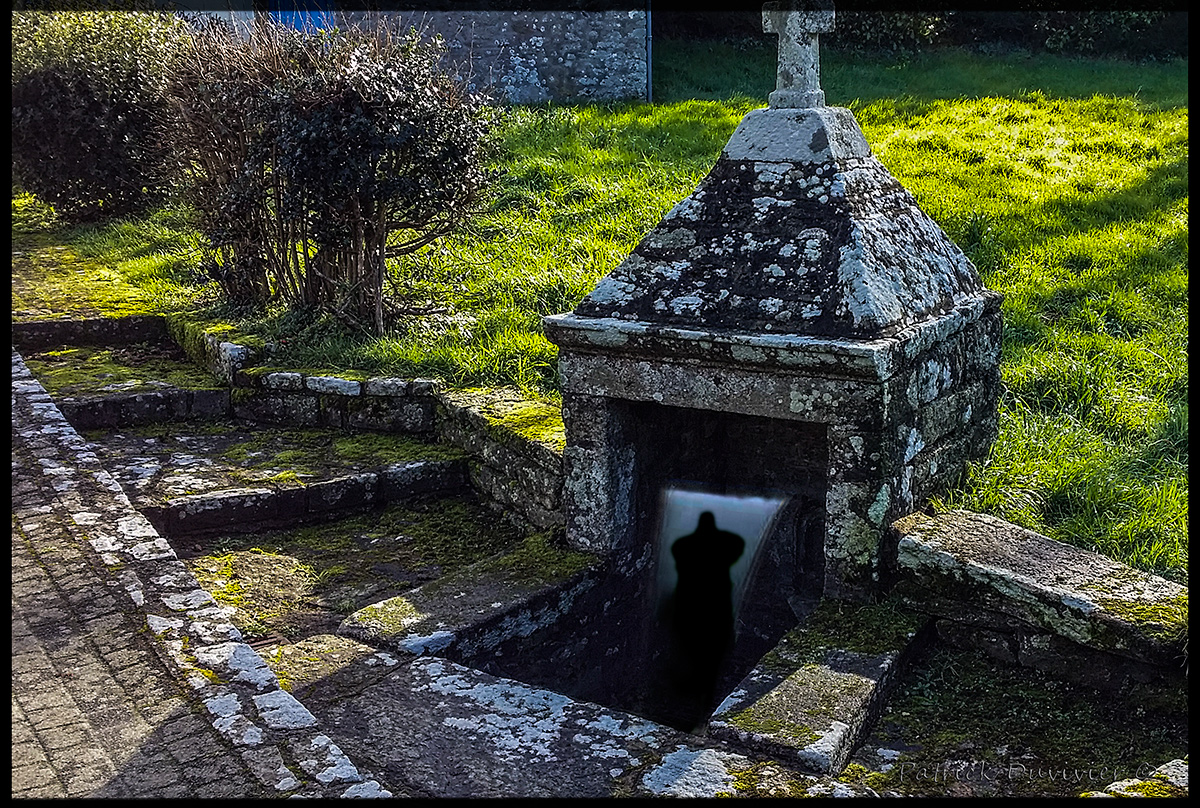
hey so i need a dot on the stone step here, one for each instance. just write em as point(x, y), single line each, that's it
point(987, 572)
point(811, 700)
point(200, 477)
point(156, 406)
point(468, 613)
point(242, 507)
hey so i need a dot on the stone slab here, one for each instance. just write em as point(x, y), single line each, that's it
point(972, 566)
point(447, 730)
point(466, 613)
point(107, 331)
point(809, 703)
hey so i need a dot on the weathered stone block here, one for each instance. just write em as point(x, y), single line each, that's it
point(283, 380)
point(1058, 657)
point(530, 477)
point(202, 512)
point(964, 562)
point(385, 386)
point(289, 409)
point(463, 437)
point(423, 387)
point(208, 403)
point(333, 385)
point(332, 411)
point(808, 702)
point(406, 480)
point(342, 493)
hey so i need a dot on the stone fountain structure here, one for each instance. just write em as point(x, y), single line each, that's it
point(796, 328)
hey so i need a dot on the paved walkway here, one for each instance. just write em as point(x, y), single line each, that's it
point(101, 706)
point(96, 711)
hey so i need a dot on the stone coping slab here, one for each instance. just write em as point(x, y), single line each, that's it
point(875, 359)
point(975, 567)
point(469, 612)
point(810, 701)
point(447, 730)
point(508, 415)
point(35, 335)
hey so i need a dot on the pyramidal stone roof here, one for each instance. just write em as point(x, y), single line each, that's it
point(798, 229)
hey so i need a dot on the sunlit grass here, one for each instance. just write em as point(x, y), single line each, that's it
point(1065, 181)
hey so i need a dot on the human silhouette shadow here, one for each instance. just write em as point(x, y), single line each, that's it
point(702, 613)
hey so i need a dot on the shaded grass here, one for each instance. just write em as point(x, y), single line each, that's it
point(1011, 731)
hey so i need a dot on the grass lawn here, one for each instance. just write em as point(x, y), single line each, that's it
point(1064, 180)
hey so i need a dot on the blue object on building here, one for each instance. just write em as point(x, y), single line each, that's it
point(303, 15)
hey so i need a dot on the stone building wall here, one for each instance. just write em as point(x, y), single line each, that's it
point(532, 57)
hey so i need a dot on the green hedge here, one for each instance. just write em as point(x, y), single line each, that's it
point(88, 109)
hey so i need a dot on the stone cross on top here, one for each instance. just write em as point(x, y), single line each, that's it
point(797, 23)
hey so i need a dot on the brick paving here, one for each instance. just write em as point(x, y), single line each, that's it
point(96, 711)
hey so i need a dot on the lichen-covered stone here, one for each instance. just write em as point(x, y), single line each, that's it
point(968, 564)
point(517, 443)
point(820, 242)
point(809, 701)
point(333, 385)
point(283, 380)
point(385, 386)
point(469, 612)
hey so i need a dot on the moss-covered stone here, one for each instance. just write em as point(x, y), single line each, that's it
point(321, 573)
point(508, 412)
point(540, 559)
point(1152, 788)
point(861, 628)
point(759, 720)
point(1166, 619)
point(79, 371)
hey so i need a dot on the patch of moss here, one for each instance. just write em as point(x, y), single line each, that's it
point(862, 628)
point(242, 395)
point(265, 589)
point(381, 449)
point(1166, 620)
point(286, 478)
point(1154, 788)
point(345, 565)
point(311, 451)
point(82, 371)
point(539, 559)
point(392, 615)
point(756, 720)
point(769, 779)
point(510, 412)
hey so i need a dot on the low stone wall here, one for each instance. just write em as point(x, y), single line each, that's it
point(130, 409)
point(517, 446)
point(515, 443)
point(104, 331)
point(313, 399)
